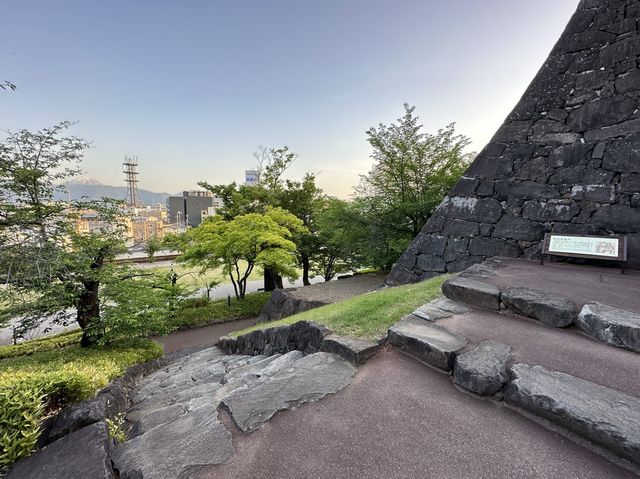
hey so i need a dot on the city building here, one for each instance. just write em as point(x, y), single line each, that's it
point(251, 177)
point(191, 208)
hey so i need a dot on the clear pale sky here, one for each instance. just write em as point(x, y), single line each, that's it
point(192, 87)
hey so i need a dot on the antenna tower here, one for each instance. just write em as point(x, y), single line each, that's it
point(130, 167)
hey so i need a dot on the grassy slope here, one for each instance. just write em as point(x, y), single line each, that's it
point(367, 316)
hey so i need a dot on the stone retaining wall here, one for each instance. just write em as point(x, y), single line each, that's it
point(566, 160)
point(282, 304)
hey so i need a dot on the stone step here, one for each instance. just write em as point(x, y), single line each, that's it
point(428, 342)
point(610, 325)
point(605, 416)
point(308, 379)
point(473, 292)
point(548, 308)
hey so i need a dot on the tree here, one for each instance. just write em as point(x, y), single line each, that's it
point(241, 244)
point(337, 247)
point(151, 247)
point(49, 263)
point(411, 174)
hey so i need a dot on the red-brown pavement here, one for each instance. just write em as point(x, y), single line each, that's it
point(402, 419)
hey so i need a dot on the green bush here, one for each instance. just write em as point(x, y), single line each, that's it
point(196, 312)
point(57, 377)
point(41, 344)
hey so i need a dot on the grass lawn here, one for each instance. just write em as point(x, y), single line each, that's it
point(191, 277)
point(367, 316)
point(199, 312)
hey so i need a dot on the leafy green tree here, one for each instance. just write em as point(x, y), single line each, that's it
point(49, 265)
point(338, 249)
point(241, 244)
point(151, 247)
point(412, 172)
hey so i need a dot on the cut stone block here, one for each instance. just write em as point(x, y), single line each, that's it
point(431, 343)
point(613, 326)
point(472, 292)
point(605, 416)
point(354, 350)
point(309, 379)
point(548, 308)
point(483, 370)
point(440, 308)
point(83, 453)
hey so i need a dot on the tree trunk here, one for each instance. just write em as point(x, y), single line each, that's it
point(272, 280)
point(89, 313)
point(305, 270)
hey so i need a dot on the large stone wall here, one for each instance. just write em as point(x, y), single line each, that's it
point(567, 158)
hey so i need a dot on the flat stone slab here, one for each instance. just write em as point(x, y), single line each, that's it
point(613, 326)
point(440, 308)
point(605, 416)
point(83, 453)
point(483, 370)
point(308, 379)
point(354, 350)
point(431, 343)
point(472, 292)
point(195, 439)
point(548, 308)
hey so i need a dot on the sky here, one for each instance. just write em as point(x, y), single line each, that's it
point(192, 87)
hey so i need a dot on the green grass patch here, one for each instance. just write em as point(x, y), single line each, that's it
point(48, 343)
point(367, 316)
point(200, 311)
point(33, 385)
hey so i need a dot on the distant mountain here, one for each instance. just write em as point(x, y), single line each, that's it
point(79, 187)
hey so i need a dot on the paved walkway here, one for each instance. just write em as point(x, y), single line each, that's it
point(400, 419)
point(206, 335)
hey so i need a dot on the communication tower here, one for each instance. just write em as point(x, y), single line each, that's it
point(130, 167)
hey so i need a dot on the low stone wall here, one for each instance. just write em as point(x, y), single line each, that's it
point(305, 336)
point(282, 304)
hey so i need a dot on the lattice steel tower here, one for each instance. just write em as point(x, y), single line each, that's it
point(130, 166)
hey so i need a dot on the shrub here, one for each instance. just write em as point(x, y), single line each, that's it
point(41, 344)
point(35, 385)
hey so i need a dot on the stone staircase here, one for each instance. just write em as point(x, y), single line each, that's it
point(570, 368)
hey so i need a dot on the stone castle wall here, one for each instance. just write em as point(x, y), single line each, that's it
point(566, 160)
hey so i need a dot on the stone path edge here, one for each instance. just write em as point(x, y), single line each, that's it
point(305, 336)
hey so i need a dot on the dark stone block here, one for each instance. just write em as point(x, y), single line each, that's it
point(618, 52)
point(514, 132)
point(543, 211)
point(433, 344)
point(570, 155)
point(84, 453)
point(582, 41)
point(557, 114)
point(465, 187)
point(461, 228)
point(472, 292)
point(533, 169)
point(624, 128)
point(599, 113)
point(474, 209)
point(493, 247)
point(354, 350)
point(429, 262)
point(630, 183)
point(529, 190)
point(596, 193)
point(613, 326)
point(617, 219)
point(595, 177)
point(463, 262)
point(592, 80)
point(567, 176)
point(485, 188)
point(430, 244)
point(623, 155)
point(486, 229)
point(605, 416)
point(517, 228)
point(483, 370)
point(548, 308)
point(628, 82)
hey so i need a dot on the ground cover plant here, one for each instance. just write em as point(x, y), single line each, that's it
point(38, 383)
point(367, 316)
